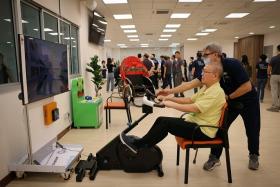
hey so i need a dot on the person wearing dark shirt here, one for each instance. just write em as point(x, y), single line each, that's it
point(103, 69)
point(246, 65)
point(162, 67)
point(190, 69)
point(274, 73)
point(4, 75)
point(177, 71)
point(154, 77)
point(242, 100)
point(110, 75)
point(167, 73)
point(261, 69)
point(197, 67)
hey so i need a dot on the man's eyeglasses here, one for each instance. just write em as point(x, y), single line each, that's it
point(207, 54)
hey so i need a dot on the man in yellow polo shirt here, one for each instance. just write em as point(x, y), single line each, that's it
point(204, 108)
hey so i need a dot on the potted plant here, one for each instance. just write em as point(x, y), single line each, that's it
point(95, 69)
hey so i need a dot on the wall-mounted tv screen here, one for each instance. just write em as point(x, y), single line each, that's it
point(97, 28)
point(45, 68)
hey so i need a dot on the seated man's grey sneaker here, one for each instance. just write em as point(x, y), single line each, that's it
point(128, 142)
point(211, 163)
point(253, 162)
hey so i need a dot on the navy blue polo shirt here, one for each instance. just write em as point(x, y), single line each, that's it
point(233, 77)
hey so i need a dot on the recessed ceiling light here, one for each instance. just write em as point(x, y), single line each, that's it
point(107, 40)
point(120, 44)
point(209, 30)
point(180, 15)
point(165, 35)
point(201, 33)
point(132, 36)
point(237, 15)
point(272, 27)
point(163, 39)
point(190, 1)
point(236, 37)
point(130, 31)
point(122, 16)
point(134, 40)
point(251, 33)
point(173, 25)
point(128, 26)
point(144, 44)
point(192, 39)
point(169, 30)
point(260, 1)
point(115, 1)
point(123, 46)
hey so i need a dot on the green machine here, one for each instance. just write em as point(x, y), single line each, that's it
point(86, 113)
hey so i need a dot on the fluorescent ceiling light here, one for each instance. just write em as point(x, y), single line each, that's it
point(173, 25)
point(251, 33)
point(163, 39)
point(103, 22)
point(53, 33)
point(115, 1)
point(8, 20)
point(8, 42)
point(169, 30)
point(201, 33)
point(134, 40)
point(107, 40)
point(130, 31)
point(236, 37)
point(128, 26)
point(174, 44)
point(260, 1)
point(190, 1)
point(123, 46)
point(47, 30)
point(122, 16)
point(132, 36)
point(180, 15)
point(209, 30)
point(165, 35)
point(272, 27)
point(68, 38)
point(144, 44)
point(192, 39)
point(237, 15)
point(120, 44)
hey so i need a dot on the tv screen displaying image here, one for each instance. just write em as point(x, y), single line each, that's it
point(46, 68)
point(97, 28)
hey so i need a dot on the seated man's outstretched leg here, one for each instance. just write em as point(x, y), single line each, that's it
point(160, 129)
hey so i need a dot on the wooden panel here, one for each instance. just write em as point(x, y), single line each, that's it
point(251, 46)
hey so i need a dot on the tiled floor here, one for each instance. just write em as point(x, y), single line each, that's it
point(94, 139)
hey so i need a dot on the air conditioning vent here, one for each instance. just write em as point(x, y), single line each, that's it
point(162, 11)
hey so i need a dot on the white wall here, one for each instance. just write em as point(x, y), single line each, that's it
point(272, 39)
point(191, 48)
point(13, 135)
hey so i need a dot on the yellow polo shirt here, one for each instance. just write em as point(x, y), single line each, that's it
point(210, 102)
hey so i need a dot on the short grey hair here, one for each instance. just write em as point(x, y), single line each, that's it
point(218, 69)
point(213, 47)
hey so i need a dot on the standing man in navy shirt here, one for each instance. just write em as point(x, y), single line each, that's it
point(242, 100)
point(261, 68)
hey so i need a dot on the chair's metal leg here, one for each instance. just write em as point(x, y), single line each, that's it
point(109, 116)
point(187, 165)
point(194, 160)
point(178, 155)
point(106, 118)
point(228, 165)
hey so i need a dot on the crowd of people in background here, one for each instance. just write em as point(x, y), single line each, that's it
point(170, 71)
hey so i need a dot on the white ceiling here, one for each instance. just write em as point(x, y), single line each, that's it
point(208, 14)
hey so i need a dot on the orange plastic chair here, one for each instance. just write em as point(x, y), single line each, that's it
point(124, 104)
point(220, 140)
